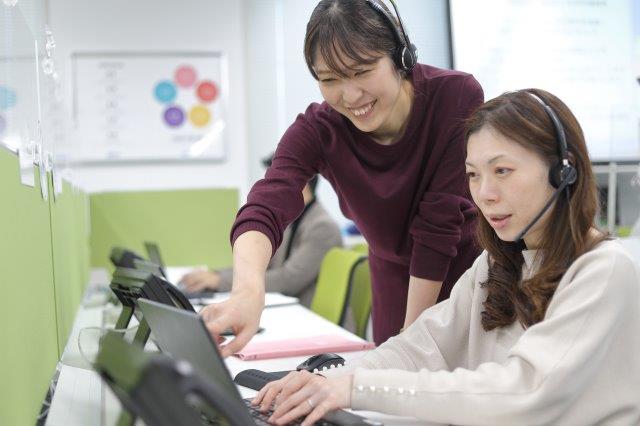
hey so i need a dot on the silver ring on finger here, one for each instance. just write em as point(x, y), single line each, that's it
point(310, 402)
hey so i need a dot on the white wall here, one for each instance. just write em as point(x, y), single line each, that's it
point(264, 104)
point(269, 81)
point(160, 25)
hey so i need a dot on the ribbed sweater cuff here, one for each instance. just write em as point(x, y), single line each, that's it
point(429, 264)
point(253, 226)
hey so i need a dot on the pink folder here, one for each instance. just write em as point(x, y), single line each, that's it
point(301, 346)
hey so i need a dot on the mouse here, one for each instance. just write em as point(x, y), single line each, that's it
point(321, 362)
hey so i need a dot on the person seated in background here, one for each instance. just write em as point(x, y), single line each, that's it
point(294, 267)
point(544, 328)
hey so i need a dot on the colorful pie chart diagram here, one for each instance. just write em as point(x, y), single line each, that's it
point(168, 92)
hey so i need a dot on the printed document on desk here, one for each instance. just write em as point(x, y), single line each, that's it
point(174, 274)
point(270, 299)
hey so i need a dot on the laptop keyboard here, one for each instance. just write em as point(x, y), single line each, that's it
point(261, 418)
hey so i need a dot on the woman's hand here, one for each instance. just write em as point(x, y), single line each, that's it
point(301, 394)
point(241, 312)
point(199, 280)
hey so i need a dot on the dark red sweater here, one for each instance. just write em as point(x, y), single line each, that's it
point(410, 200)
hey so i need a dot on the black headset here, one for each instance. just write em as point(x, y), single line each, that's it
point(562, 174)
point(406, 55)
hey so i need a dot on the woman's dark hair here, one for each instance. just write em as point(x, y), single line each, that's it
point(347, 27)
point(519, 117)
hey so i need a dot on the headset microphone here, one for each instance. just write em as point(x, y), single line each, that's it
point(562, 174)
point(554, 197)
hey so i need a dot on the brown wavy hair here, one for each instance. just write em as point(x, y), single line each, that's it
point(520, 118)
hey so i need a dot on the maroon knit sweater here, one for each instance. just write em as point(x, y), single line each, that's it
point(410, 200)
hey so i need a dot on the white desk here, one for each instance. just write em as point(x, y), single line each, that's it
point(82, 399)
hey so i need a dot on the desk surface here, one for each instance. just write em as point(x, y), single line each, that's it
point(82, 399)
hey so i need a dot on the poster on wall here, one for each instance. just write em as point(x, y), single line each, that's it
point(149, 107)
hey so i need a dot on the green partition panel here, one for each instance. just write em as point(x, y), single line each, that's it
point(191, 227)
point(28, 332)
point(82, 214)
point(69, 238)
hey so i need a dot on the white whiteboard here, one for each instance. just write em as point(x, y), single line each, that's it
point(585, 52)
point(149, 107)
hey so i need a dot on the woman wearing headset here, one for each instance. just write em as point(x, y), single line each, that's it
point(546, 333)
point(388, 138)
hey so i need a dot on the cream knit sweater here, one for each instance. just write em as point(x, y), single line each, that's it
point(579, 366)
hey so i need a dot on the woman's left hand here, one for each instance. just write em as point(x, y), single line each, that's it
point(305, 394)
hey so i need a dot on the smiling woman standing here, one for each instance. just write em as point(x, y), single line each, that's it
point(388, 138)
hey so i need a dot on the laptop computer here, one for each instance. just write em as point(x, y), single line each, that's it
point(183, 335)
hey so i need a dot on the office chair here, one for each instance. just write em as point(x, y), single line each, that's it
point(334, 283)
point(360, 248)
point(360, 297)
point(360, 300)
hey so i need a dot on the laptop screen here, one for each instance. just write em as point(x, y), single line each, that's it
point(182, 334)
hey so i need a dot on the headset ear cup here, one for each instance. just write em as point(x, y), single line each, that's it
point(399, 58)
point(406, 55)
point(570, 174)
point(406, 59)
point(555, 174)
point(413, 53)
point(403, 57)
point(559, 173)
